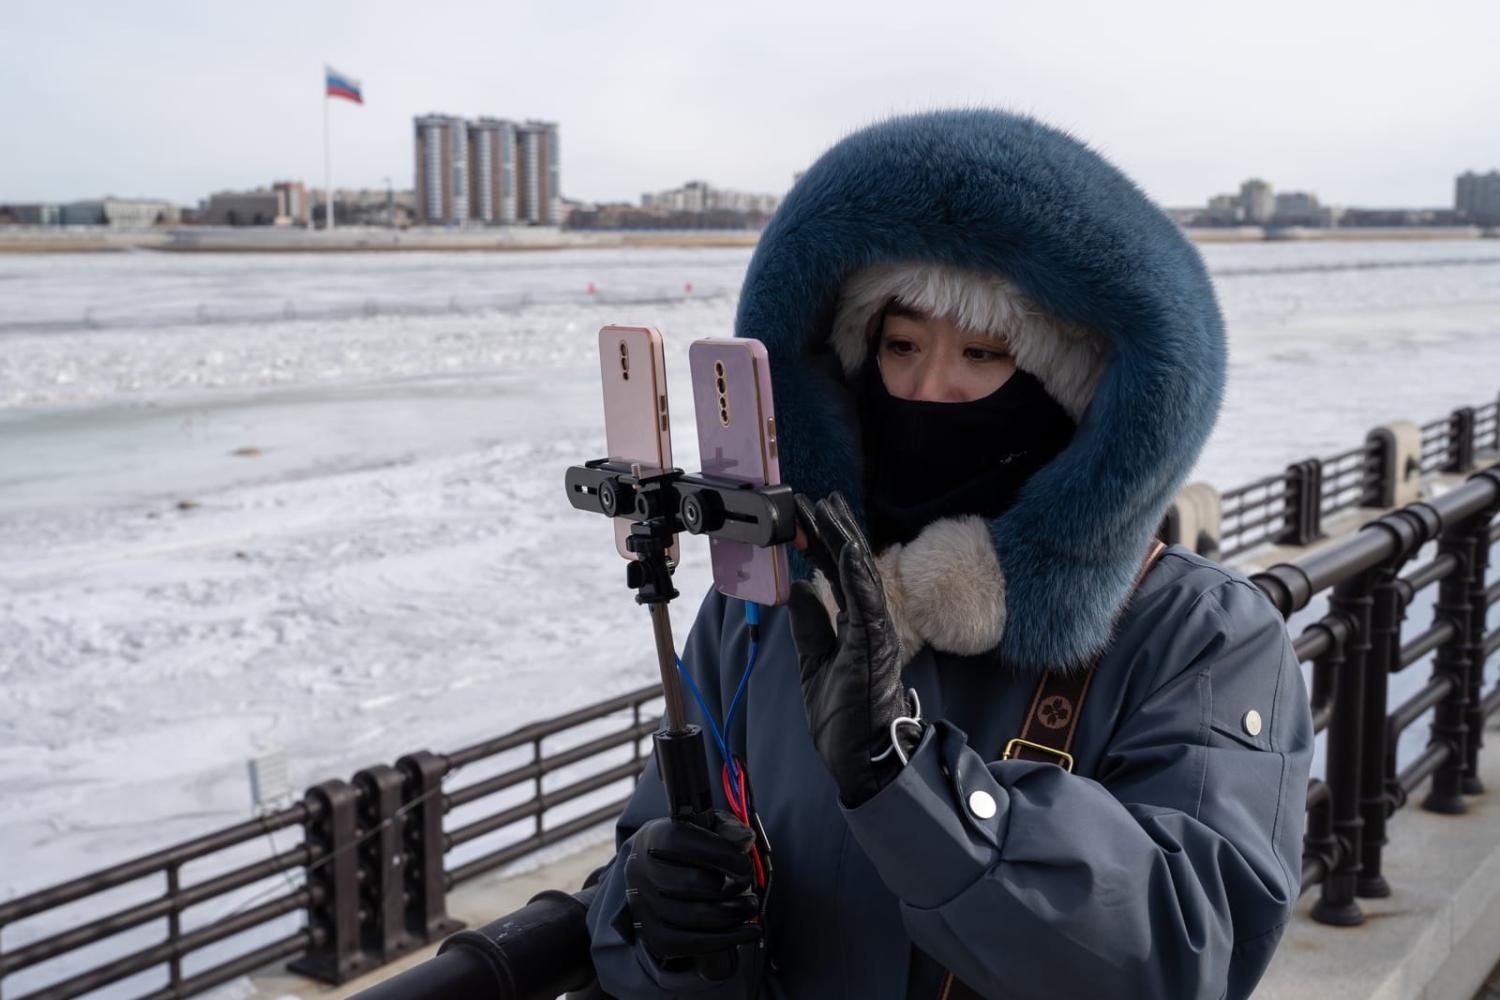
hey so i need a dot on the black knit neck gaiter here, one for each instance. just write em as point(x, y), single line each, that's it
point(929, 460)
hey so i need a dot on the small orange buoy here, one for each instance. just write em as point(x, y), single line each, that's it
point(688, 288)
point(591, 288)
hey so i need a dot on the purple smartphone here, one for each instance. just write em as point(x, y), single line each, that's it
point(737, 440)
point(636, 429)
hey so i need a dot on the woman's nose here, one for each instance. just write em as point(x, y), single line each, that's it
point(936, 385)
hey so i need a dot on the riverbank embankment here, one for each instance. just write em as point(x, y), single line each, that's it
point(215, 239)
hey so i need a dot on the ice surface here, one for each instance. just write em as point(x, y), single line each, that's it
point(313, 502)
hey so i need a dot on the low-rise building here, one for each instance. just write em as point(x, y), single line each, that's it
point(119, 213)
point(261, 207)
point(284, 203)
point(292, 197)
point(33, 214)
point(1225, 210)
point(701, 196)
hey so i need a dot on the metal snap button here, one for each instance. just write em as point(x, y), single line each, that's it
point(1251, 722)
point(982, 804)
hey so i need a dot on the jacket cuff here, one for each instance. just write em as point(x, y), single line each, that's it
point(938, 827)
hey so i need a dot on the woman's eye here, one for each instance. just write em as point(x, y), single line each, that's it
point(984, 354)
point(900, 346)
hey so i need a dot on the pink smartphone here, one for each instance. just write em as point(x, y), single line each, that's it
point(636, 426)
point(737, 440)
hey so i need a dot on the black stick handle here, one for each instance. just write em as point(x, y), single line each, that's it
point(681, 757)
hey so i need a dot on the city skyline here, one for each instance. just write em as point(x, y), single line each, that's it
point(1378, 105)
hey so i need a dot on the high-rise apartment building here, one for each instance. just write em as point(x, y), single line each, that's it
point(539, 173)
point(491, 171)
point(492, 159)
point(442, 146)
point(1258, 201)
point(1477, 197)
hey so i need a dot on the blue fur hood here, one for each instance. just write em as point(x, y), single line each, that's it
point(1002, 222)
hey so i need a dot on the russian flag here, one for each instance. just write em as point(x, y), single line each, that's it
point(340, 85)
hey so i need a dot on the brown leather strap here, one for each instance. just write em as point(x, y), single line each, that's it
point(1052, 719)
point(1047, 736)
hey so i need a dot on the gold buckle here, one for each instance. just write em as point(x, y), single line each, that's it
point(1065, 759)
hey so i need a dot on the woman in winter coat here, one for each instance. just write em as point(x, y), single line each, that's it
point(994, 362)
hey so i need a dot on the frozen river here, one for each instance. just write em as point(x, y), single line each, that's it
point(313, 503)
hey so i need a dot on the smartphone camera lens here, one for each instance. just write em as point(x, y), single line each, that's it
point(720, 384)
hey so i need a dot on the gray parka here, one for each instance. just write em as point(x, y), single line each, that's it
point(1167, 864)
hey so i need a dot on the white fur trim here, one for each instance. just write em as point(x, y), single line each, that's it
point(1066, 358)
point(944, 589)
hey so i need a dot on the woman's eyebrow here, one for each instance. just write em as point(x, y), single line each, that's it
point(906, 312)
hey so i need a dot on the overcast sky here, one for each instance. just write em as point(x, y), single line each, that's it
point(1365, 103)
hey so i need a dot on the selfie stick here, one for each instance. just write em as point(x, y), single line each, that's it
point(661, 504)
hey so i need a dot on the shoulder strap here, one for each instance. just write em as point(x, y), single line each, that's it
point(1047, 736)
point(1052, 719)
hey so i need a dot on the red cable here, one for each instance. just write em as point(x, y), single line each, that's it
point(739, 805)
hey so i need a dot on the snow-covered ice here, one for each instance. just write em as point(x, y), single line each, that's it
point(313, 502)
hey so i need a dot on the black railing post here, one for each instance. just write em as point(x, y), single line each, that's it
point(1351, 601)
point(1304, 503)
point(1461, 441)
point(1450, 716)
point(425, 880)
point(635, 724)
point(1387, 612)
point(536, 759)
point(1320, 840)
point(381, 858)
point(1410, 527)
point(1379, 477)
point(333, 873)
point(1478, 630)
point(174, 925)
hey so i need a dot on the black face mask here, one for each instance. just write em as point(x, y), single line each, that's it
point(928, 460)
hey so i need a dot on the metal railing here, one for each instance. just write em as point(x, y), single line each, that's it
point(1356, 647)
point(379, 853)
point(1289, 508)
point(373, 855)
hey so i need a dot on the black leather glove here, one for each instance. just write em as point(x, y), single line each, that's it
point(851, 680)
point(691, 889)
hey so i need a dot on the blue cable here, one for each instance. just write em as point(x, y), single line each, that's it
point(703, 707)
point(734, 703)
point(752, 618)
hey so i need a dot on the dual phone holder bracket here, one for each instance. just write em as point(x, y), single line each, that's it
point(661, 503)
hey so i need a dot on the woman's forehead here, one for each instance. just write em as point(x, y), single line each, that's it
point(941, 325)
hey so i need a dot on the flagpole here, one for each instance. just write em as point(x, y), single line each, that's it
point(327, 168)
